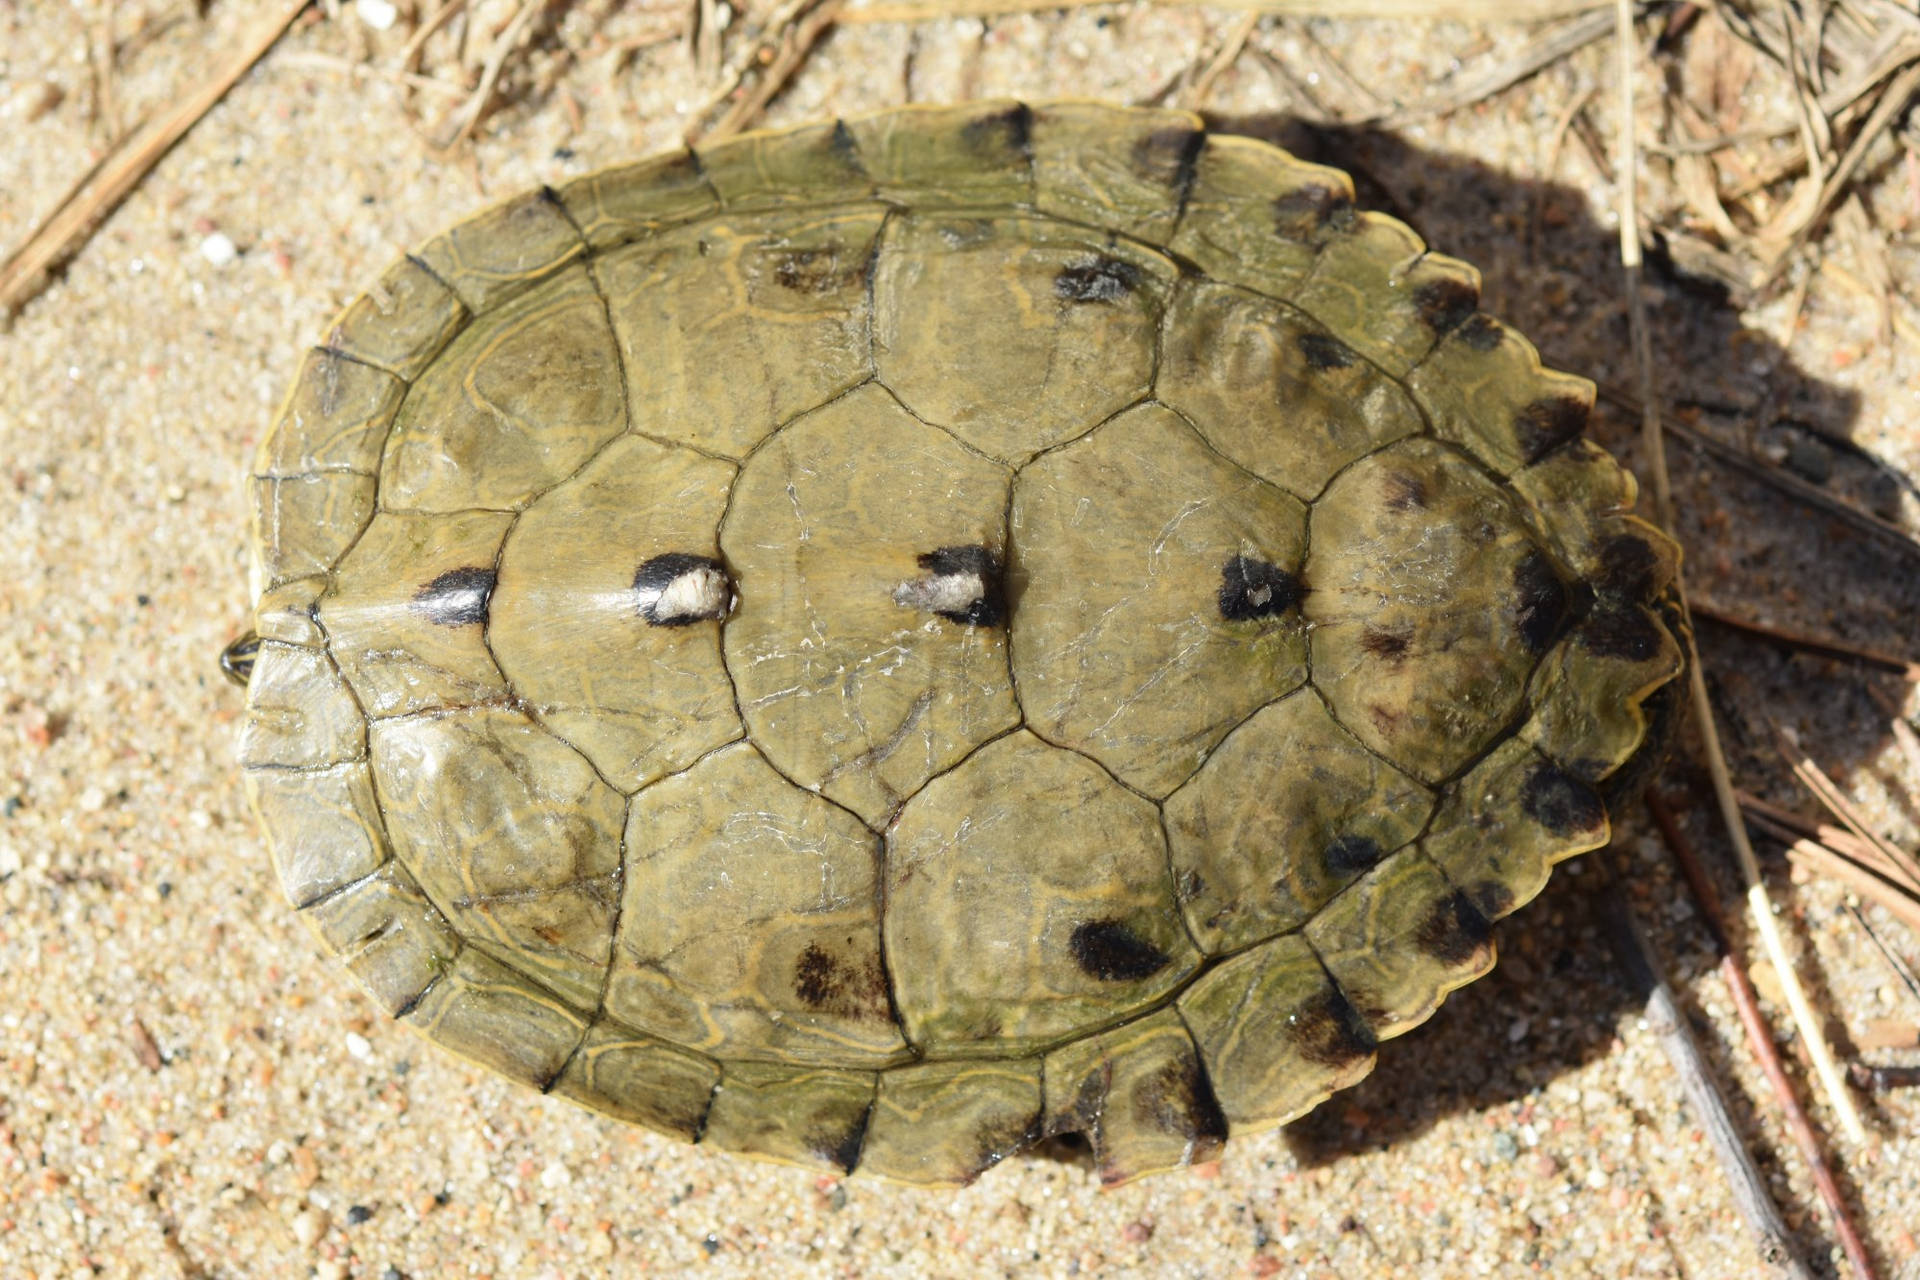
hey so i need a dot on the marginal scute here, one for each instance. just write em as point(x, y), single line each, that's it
point(1381, 290)
point(844, 690)
point(807, 164)
point(1274, 391)
point(515, 404)
point(1255, 216)
point(972, 154)
point(813, 1117)
point(335, 417)
point(1398, 939)
point(1141, 1096)
point(796, 975)
point(729, 328)
point(511, 834)
point(1286, 812)
point(400, 324)
point(290, 612)
point(640, 1080)
point(388, 936)
point(1483, 388)
point(1114, 167)
point(1276, 1035)
point(300, 714)
point(943, 1124)
point(1416, 643)
point(323, 827)
point(1587, 695)
point(399, 654)
point(999, 940)
point(494, 1015)
point(1503, 825)
point(570, 633)
point(1120, 647)
point(1062, 357)
point(302, 524)
point(634, 201)
point(503, 250)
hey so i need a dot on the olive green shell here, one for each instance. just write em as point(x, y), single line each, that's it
point(875, 643)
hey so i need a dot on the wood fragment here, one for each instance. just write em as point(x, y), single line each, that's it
point(145, 1048)
point(59, 236)
point(1882, 1079)
point(1759, 1036)
point(1815, 780)
point(1889, 1033)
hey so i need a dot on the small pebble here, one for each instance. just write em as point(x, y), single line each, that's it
point(378, 14)
point(555, 1176)
point(219, 249)
point(1505, 1145)
point(359, 1046)
point(1137, 1232)
point(358, 1214)
point(308, 1226)
point(330, 1269)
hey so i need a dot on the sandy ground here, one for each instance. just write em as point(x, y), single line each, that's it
point(188, 1089)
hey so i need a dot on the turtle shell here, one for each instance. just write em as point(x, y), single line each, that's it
point(872, 644)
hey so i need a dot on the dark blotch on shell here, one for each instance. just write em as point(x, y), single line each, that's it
point(457, 598)
point(1480, 332)
point(1012, 128)
point(657, 574)
point(1403, 492)
point(1323, 352)
point(1096, 280)
point(1330, 1031)
point(237, 659)
point(842, 1150)
point(1560, 802)
point(1444, 305)
point(1540, 601)
point(1179, 1099)
point(1389, 646)
point(811, 271)
point(1491, 898)
point(990, 608)
point(1350, 855)
point(816, 977)
point(1625, 632)
point(1252, 589)
point(1454, 932)
point(1112, 952)
point(1302, 213)
point(1545, 425)
point(1628, 564)
point(1167, 157)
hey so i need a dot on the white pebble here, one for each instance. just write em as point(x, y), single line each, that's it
point(9, 861)
point(92, 800)
point(1517, 1032)
point(555, 1176)
point(358, 1046)
point(308, 1226)
point(378, 14)
point(1597, 1178)
point(219, 249)
point(330, 1269)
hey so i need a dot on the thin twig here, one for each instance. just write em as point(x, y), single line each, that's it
point(61, 234)
point(410, 56)
point(1758, 901)
point(1906, 669)
point(796, 42)
point(1759, 1037)
point(457, 126)
point(1814, 779)
point(1224, 57)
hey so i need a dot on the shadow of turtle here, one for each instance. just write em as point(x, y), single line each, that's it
point(1753, 548)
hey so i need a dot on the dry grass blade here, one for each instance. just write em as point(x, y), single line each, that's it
point(1759, 904)
point(1224, 57)
point(458, 125)
point(410, 56)
point(797, 39)
point(60, 235)
point(1894, 99)
point(1790, 828)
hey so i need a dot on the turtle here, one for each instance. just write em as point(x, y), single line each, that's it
point(883, 643)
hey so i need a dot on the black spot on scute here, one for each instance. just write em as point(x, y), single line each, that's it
point(1179, 1099)
point(1324, 352)
point(1443, 305)
point(657, 574)
point(1540, 601)
point(1012, 128)
point(842, 1150)
point(1560, 802)
point(1096, 280)
point(1454, 932)
point(1491, 898)
point(990, 609)
point(456, 598)
point(1304, 212)
point(1402, 491)
point(1389, 646)
point(812, 271)
point(1349, 855)
point(1545, 425)
point(816, 977)
point(1111, 951)
point(1251, 588)
point(1330, 1032)
point(1166, 157)
point(1480, 332)
point(1628, 563)
point(1622, 632)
